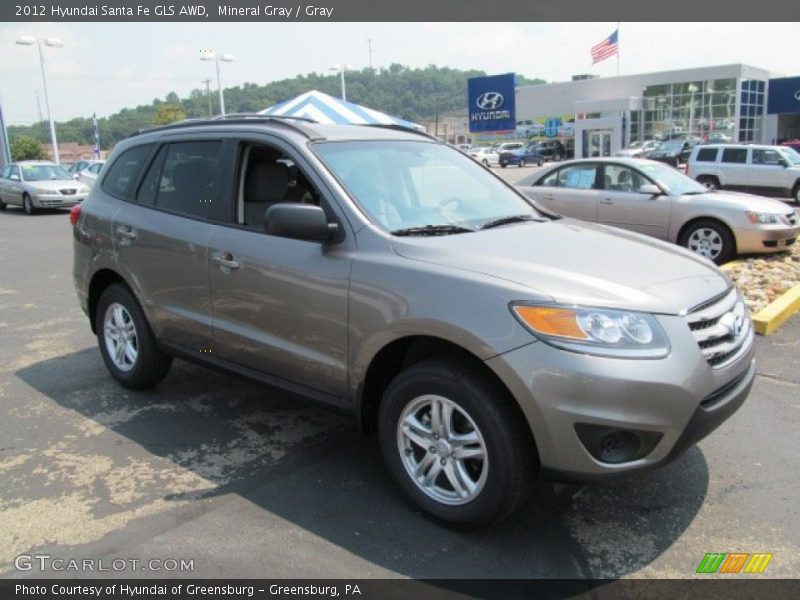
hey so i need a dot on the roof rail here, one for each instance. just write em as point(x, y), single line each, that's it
point(262, 116)
point(239, 118)
point(398, 127)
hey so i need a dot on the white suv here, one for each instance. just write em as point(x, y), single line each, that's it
point(772, 170)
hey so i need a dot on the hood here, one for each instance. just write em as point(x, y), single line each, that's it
point(739, 200)
point(577, 262)
point(56, 184)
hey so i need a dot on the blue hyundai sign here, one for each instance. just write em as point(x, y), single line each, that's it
point(491, 103)
point(784, 96)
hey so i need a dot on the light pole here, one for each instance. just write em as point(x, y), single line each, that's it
point(341, 69)
point(693, 89)
point(29, 40)
point(217, 58)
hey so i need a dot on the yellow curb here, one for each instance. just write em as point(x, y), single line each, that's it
point(772, 316)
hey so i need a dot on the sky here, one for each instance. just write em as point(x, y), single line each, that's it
point(104, 67)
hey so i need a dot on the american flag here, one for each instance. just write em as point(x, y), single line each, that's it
point(96, 134)
point(608, 47)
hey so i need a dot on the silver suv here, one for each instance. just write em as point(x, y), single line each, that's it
point(390, 276)
point(771, 170)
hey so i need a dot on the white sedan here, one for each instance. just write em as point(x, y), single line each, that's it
point(488, 157)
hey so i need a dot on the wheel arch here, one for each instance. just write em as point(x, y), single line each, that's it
point(403, 352)
point(101, 279)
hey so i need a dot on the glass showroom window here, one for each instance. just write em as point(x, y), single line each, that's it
point(751, 110)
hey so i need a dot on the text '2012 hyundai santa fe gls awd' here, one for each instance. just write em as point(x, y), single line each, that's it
point(390, 276)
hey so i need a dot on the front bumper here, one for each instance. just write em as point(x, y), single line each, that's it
point(676, 400)
point(57, 200)
point(769, 238)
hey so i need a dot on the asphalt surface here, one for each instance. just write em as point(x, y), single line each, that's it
point(249, 482)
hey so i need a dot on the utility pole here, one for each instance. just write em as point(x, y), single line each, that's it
point(369, 45)
point(208, 95)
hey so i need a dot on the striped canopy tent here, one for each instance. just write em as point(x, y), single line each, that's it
point(323, 108)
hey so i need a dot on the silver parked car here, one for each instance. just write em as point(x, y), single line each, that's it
point(39, 184)
point(657, 200)
point(485, 155)
point(89, 175)
point(391, 277)
point(638, 149)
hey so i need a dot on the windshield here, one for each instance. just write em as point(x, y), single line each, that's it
point(406, 184)
point(676, 182)
point(44, 172)
point(672, 145)
point(790, 154)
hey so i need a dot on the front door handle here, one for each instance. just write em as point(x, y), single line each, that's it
point(548, 197)
point(225, 260)
point(608, 201)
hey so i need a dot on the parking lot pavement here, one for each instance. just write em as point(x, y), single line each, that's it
point(248, 482)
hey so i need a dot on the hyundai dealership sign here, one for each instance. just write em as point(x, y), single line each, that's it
point(784, 95)
point(491, 103)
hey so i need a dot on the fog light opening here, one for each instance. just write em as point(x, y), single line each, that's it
point(613, 446)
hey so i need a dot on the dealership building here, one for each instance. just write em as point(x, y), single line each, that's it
point(597, 116)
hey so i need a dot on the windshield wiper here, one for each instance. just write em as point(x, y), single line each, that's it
point(432, 230)
point(511, 219)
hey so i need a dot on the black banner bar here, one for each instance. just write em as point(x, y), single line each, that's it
point(406, 11)
point(733, 587)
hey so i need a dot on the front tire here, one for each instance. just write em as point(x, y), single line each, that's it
point(126, 341)
point(455, 443)
point(3, 205)
point(27, 205)
point(711, 183)
point(711, 239)
point(485, 163)
point(796, 193)
point(521, 162)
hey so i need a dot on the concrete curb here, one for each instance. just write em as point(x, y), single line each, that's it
point(775, 314)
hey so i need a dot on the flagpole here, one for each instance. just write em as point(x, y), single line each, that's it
point(617, 48)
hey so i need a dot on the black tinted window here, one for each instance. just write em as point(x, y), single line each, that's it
point(123, 173)
point(707, 154)
point(734, 155)
point(188, 180)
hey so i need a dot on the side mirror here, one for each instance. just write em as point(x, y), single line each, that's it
point(650, 190)
point(14, 177)
point(299, 222)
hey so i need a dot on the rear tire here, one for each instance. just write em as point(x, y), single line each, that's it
point(796, 193)
point(502, 165)
point(493, 471)
point(27, 205)
point(709, 238)
point(3, 205)
point(121, 325)
point(521, 162)
point(485, 163)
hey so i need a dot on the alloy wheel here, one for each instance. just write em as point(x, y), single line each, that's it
point(705, 242)
point(119, 332)
point(442, 449)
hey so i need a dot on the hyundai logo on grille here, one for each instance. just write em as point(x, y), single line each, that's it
point(733, 323)
point(490, 100)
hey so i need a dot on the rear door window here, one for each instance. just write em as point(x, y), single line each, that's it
point(734, 155)
point(187, 182)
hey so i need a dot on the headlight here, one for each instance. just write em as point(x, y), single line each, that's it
point(598, 331)
point(762, 218)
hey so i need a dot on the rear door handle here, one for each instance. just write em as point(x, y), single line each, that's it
point(225, 260)
point(548, 197)
point(126, 233)
point(607, 201)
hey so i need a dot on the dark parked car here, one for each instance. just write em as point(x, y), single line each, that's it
point(674, 152)
point(551, 149)
point(793, 144)
point(527, 155)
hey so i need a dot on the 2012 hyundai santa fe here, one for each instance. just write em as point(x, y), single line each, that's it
point(390, 276)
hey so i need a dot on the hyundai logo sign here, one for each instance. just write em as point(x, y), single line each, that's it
point(797, 95)
point(490, 101)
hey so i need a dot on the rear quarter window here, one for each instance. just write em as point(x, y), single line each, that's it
point(121, 176)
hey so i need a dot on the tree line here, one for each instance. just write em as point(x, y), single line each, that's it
point(411, 94)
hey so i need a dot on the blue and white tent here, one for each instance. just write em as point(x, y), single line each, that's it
point(326, 109)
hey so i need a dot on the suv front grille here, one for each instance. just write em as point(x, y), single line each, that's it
point(721, 327)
